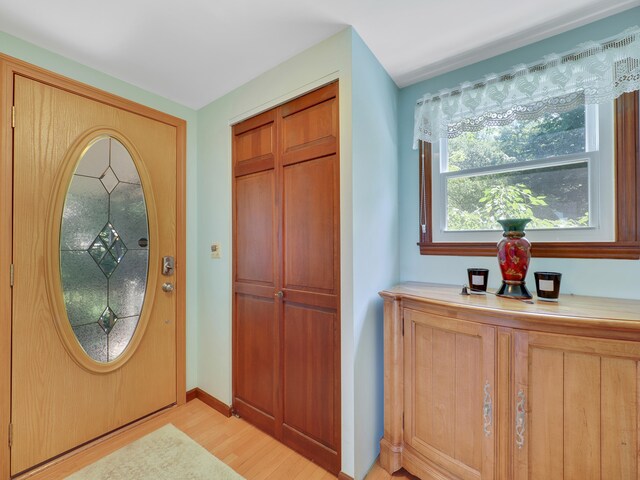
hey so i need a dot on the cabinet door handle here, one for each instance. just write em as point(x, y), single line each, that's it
point(487, 409)
point(520, 419)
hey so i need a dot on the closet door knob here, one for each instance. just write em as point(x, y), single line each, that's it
point(279, 294)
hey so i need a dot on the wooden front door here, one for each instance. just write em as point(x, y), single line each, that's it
point(286, 369)
point(94, 334)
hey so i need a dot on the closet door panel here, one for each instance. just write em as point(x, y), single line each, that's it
point(255, 144)
point(256, 360)
point(309, 130)
point(309, 372)
point(255, 228)
point(310, 266)
point(256, 364)
point(309, 215)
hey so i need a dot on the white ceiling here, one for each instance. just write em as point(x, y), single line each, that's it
point(194, 51)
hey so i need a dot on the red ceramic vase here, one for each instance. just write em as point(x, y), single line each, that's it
point(514, 253)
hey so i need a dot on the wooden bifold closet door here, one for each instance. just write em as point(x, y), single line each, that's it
point(286, 327)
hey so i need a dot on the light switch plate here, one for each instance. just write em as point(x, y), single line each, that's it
point(216, 250)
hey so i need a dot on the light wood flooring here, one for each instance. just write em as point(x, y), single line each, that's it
point(252, 453)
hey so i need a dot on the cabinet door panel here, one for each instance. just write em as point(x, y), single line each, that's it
point(468, 396)
point(440, 346)
point(447, 363)
point(581, 417)
point(547, 404)
point(619, 417)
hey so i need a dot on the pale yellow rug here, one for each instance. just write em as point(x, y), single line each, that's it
point(166, 454)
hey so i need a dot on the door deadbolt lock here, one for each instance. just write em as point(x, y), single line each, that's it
point(168, 266)
point(167, 287)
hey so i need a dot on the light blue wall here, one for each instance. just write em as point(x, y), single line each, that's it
point(580, 276)
point(28, 52)
point(375, 238)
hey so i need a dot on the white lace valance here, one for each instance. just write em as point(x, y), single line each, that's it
point(592, 73)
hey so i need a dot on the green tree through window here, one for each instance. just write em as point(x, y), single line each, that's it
point(503, 182)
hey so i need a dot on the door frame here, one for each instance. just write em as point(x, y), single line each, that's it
point(9, 67)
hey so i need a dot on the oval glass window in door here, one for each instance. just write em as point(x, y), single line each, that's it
point(104, 250)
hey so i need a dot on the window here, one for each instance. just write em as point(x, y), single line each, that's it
point(556, 168)
point(608, 184)
point(537, 140)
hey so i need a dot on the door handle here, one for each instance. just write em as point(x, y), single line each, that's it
point(168, 287)
point(487, 410)
point(520, 419)
point(279, 294)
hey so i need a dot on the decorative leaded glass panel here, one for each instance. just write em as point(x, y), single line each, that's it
point(93, 340)
point(128, 284)
point(107, 320)
point(120, 334)
point(108, 249)
point(109, 180)
point(104, 250)
point(95, 159)
point(86, 210)
point(129, 213)
point(85, 287)
point(123, 168)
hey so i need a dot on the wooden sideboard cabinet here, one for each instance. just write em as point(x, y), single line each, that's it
point(481, 387)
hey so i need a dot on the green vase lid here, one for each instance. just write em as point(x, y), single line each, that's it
point(514, 224)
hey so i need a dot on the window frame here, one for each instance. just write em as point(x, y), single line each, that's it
point(599, 137)
point(626, 197)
